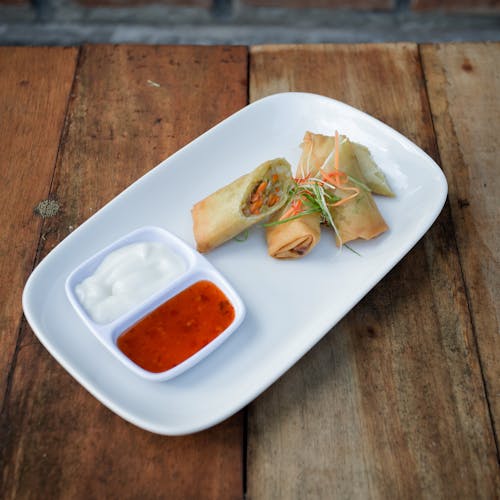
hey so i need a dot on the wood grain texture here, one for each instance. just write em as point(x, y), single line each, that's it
point(478, 6)
point(57, 441)
point(24, 3)
point(205, 4)
point(325, 4)
point(391, 403)
point(464, 84)
point(34, 91)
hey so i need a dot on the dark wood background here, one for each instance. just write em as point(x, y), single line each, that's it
point(400, 400)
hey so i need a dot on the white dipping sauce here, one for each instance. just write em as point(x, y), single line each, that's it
point(126, 277)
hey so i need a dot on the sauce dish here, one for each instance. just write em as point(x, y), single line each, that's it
point(190, 268)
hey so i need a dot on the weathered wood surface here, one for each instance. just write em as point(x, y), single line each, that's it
point(34, 91)
point(477, 6)
point(463, 82)
point(391, 403)
point(325, 4)
point(57, 440)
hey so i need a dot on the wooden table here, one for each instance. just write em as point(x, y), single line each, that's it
point(400, 400)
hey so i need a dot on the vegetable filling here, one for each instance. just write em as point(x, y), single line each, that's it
point(265, 194)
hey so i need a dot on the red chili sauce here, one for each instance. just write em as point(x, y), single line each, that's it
point(178, 328)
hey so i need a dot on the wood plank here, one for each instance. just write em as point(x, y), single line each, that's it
point(477, 6)
point(202, 4)
point(391, 403)
point(23, 3)
point(325, 4)
point(463, 84)
point(34, 91)
point(58, 441)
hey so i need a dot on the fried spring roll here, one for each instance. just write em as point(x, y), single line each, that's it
point(316, 149)
point(359, 217)
point(356, 218)
point(321, 147)
point(241, 204)
point(375, 178)
point(296, 238)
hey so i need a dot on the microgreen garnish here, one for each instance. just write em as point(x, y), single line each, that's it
point(242, 236)
point(352, 250)
point(315, 194)
point(288, 219)
point(310, 197)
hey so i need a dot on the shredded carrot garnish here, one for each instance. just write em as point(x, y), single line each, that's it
point(350, 197)
point(275, 177)
point(294, 208)
point(302, 180)
point(287, 213)
point(337, 178)
point(317, 193)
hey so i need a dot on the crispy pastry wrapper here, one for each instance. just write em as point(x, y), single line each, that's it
point(220, 217)
point(359, 217)
point(375, 178)
point(318, 148)
point(295, 238)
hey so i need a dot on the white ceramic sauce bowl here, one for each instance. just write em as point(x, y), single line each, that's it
point(197, 268)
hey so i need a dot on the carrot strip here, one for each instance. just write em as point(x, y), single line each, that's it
point(302, 180)
point(261, 187)
point(273, 199)
point(294, 209)
point(287, 213)
point(350, 197)
point(337, 178)
point(256, 206)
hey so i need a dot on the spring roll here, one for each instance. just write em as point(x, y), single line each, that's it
point(321, 148)
point(359, 217)
point(296, 238)
point(375, 178)
point(241, 204)
point(316, 150)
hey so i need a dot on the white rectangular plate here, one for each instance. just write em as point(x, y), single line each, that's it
point(282, 324)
